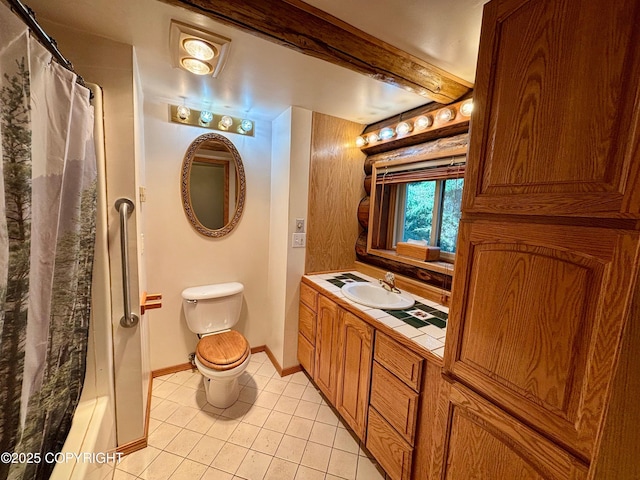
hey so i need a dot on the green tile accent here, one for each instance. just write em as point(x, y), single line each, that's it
point(440, 315)
point(399, 314)
point(354, 277)
point(437, 322)
point(336, 282)
point(414, 322)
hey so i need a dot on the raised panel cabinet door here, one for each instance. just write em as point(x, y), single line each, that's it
point(326, 347)
point(537, 319)
point(307, 323)
point(355, 338)
point(484, 443)
point(555, 119)
point(306, 354)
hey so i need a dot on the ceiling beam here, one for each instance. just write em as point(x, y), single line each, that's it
point(309, 30)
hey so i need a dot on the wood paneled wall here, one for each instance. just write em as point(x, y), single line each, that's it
point(336, 177)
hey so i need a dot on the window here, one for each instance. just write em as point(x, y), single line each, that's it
point(429, 212)
point(417, 202)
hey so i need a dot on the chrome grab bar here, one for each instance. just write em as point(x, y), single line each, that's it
point(125, 207)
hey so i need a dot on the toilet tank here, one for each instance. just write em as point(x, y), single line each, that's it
point(211, 308)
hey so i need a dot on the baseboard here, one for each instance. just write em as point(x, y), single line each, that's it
point(134, 446)
point(282, 372)
point(176, 368)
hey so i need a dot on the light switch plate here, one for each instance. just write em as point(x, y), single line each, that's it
point(299, 240)
point(299, 225)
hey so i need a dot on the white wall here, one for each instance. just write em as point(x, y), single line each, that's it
point(179, 257)
point(291, 152)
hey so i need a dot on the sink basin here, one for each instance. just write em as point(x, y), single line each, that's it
point(375, 296)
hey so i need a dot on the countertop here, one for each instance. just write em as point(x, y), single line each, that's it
point(424, 324)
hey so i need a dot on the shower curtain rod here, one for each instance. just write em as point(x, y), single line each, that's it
point(28, 16)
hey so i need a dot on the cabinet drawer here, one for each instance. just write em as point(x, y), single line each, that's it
point(404, 364)
point(306, 354)
point(308, 296)
point(307, 323)
point(396, 402)
point(389, 449)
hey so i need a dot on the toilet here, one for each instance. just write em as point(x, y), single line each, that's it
point(222, 354)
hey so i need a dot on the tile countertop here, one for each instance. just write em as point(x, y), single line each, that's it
point(424, 324)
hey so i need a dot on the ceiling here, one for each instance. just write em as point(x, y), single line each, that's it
point(262, 79)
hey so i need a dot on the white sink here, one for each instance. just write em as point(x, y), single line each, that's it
point(375, 296)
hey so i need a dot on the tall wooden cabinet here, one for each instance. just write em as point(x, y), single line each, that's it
point(547, 256)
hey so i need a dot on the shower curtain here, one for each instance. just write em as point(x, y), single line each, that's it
point(47, 234)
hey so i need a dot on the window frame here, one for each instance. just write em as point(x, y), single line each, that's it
point(384, 222)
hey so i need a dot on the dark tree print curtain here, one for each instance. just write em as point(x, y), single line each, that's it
point(47, 234)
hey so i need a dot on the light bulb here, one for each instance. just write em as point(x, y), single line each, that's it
point(360, 142)
point(372, 138)
point(205, 117)
point(183, 112)
point(386, 133)
point(225, 122)
point(246, 125)
point(445, 115)
point(423, 121)
point(199, 49)
point(403, 128)
point(196, 66)
point(466, 108)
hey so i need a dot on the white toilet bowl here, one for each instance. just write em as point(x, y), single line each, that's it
point(222, 354)
point(222, 387)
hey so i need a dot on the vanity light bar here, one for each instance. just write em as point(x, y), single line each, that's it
point(211, 120)
point(450, 115)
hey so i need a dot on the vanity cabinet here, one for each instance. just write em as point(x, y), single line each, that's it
point(387, 393)
point(547, 266)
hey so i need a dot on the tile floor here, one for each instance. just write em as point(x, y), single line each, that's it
point(279, 429)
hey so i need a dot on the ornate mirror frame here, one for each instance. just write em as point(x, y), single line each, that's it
point(187, 163)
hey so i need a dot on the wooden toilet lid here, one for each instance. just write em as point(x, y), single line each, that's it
point(223, 351)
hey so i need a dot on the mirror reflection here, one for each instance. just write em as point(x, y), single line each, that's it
point(213, 185)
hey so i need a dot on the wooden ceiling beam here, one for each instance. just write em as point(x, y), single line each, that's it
point(309, 30)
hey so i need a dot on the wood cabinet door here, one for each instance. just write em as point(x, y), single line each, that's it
point(355, 338)
point(556, 117)
point(484, 443)
point(536, 320)
point(326, 371)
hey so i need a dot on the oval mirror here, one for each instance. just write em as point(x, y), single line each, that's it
point(213, 185)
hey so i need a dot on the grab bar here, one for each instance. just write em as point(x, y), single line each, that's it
point(125, 207)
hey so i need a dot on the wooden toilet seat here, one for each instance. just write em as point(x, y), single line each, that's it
point(223, 351)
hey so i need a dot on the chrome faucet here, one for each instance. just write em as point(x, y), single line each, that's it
point(389, 282)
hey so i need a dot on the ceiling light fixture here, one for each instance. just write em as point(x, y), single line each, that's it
point(199, 49)
point(196, 50)
point(361, 141)
point(372, 138)
point(196, 66)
